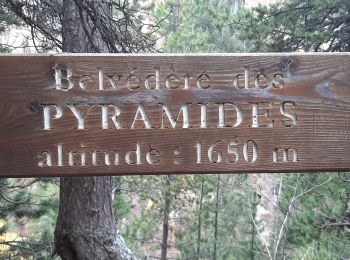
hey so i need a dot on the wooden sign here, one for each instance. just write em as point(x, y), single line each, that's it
point(82, 114)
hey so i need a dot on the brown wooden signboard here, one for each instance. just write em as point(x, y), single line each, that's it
point(74, 115)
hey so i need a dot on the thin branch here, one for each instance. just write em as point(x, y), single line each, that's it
point(257, 229)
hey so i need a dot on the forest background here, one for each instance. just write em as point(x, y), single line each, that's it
point(221, 216)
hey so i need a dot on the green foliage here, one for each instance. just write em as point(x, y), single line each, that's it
point(121, 206)
point(7, 20)
point(28, 211)
point(142, 225)
point(234, 224)
point(318, 216)
point(198, 25)
point(294, 25)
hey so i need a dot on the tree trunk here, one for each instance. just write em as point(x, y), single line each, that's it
point(85, 227)
point(216, 218)
point(167, 201)
point(199, 227)
point(254, 204)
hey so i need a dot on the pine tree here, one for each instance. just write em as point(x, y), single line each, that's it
point(294, 25)
point(86, 226)
point(198, 26)
point(28, 209)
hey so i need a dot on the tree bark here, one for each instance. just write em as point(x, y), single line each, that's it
point(216, 217)
point(85, 227)
point(165, 233)
point(199, 226)
point(254, 205)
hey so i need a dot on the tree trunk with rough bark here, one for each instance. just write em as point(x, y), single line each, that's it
point(216, 217)
point(85, 227)
point(199, 226)
point(165, 232)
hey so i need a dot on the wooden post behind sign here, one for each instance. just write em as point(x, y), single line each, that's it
point(75, 115)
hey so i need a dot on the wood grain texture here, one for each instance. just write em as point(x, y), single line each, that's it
point(314, 87)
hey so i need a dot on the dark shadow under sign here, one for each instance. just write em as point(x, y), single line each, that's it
point(76, 115)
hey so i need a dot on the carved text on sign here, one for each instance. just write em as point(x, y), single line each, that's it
point(64, 80)
point(226, 115)
point(259, 114)
point(115, 114)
